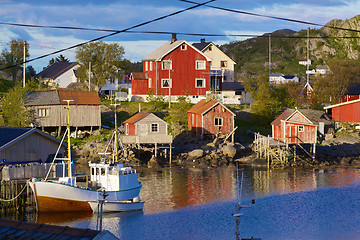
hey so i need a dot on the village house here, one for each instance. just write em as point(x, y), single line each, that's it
point(234, 93)
point(140, 85)
point(221, 66)
point(305, 62)
point(59, 74)
point(22, 145)
point(176, 68)
point(210, 118)
point(346, 112)
point(49, 109)
point(352, 94)
point(279, 78)
point(292, 126)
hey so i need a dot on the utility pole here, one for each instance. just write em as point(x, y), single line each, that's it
point(89, 75)
point(269, 56)
point(170, 84)
point(307, 57)
point(24, 59)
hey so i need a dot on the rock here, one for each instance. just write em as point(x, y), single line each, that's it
point(197, 153)
point(217, 142)
point(329, 136)
point(153, 163)
point(229, 150)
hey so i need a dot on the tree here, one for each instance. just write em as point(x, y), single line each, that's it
point(13, 56)
point(335, 84)
point(59, 58)
point(13, 111)
point(105, 62)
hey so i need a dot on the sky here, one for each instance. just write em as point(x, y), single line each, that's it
point(119, 15)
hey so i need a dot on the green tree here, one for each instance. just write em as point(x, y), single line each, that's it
point(14, 55)
point(13, 111)
point(105, 59)
point(332, 87)
point(60, 58)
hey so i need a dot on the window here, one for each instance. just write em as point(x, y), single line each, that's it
point(183, 47)
point(200, 65)
point(127, 129)
point(146, 66)
point(210, 48)
point(166, 65)
point(166, 83)
point(154, 127)
point(223, 64)
point(149, 82)
point(192, 119)
point(218, 121)
point(42, 112)
point(301, 128)
point(199, 82)
point(150, 66)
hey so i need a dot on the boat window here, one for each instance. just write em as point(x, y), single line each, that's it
point(92, 171)
point(97, 171)
point(103, 171)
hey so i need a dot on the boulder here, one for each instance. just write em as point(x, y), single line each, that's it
point(197, 153)
point(153, 163)
point(229, 150)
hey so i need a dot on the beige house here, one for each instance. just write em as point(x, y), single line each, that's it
point(221, 66)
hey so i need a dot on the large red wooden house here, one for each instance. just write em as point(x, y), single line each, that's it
point(210, 117)
point(176, 68)
point(294, 127)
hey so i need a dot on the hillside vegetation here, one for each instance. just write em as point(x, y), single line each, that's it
point(287, 47)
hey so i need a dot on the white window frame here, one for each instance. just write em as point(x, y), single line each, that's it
point(183, 47)
point(163, 67)
point(197, 67)
point(151, 67)
point(156, 125)
point(149, 82)
point(165, 79)
point(300, 128)
point(42, 112)
point(223, 61)
point(203, 80)
point(219, 121)
point(146, 66)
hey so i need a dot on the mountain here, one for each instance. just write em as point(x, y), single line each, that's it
point(287, 47)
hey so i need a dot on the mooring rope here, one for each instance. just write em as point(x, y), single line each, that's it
point(9, 200)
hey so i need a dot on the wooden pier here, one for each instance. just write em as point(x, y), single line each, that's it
point(280, 154)
point(16, 196)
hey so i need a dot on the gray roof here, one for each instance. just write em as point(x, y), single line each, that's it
point(8, 134)
point(55, 69)
point(232, 86)
point(40, 98)
point(162, 51)
point(201, 45)
point(315, 116)
point(276, 74)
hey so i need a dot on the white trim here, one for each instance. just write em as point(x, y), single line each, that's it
point(157, 127)
point(203, 80)
point(222, 121)
point(200, 61)
point(146, 66)
point(341, 104)
point(151, 65)
point(170, 82)
point(166, 61)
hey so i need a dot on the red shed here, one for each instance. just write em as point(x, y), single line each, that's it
point(210, 117)
point(293, 127)
point(139, 83)
point(346, 111)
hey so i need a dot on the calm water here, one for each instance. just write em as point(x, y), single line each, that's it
point(302, 204)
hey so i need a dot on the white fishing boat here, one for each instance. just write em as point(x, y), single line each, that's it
point(113, 184)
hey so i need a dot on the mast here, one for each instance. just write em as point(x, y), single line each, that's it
point(116, 136)
point(68, 132)
point(307, 57)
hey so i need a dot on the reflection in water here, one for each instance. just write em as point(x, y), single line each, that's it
point(167, 190)
point(60, 218)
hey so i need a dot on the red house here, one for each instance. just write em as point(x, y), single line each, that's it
point(293, 127)
point(352, 94)
point(176, 68)
point(345, 111)
point(210, 117)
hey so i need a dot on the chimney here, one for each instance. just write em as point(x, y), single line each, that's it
point(202, 40)
point(173, 38)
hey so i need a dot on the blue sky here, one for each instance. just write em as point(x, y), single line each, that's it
point(108, 14)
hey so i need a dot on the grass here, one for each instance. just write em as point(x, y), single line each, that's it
point(252, 125)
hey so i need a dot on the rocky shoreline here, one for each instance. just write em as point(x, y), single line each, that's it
point(192, 152)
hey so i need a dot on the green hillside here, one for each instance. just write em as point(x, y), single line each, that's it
point(252, 55)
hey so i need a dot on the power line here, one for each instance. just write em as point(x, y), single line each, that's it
point(272, 17)
point(112, 34)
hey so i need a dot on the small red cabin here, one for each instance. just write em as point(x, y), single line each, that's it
point(210, 117)
point(293, 127)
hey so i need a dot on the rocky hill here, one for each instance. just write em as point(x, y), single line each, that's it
point(287, 47)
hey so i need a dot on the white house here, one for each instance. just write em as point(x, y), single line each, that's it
point(322, 69)
point(275, 78)
point(305, 62)
point(59, 74)
point(311, 71)
point(221, 66)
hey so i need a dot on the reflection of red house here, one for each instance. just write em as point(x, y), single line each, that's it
point(346, 111)
point(210, 117)
point(293, 127)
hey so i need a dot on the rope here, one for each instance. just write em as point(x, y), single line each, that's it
point(5, 200)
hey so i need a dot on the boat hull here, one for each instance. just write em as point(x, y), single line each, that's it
point(58, 197)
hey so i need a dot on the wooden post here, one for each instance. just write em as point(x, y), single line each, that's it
point(155, 149)
point(170, 154)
